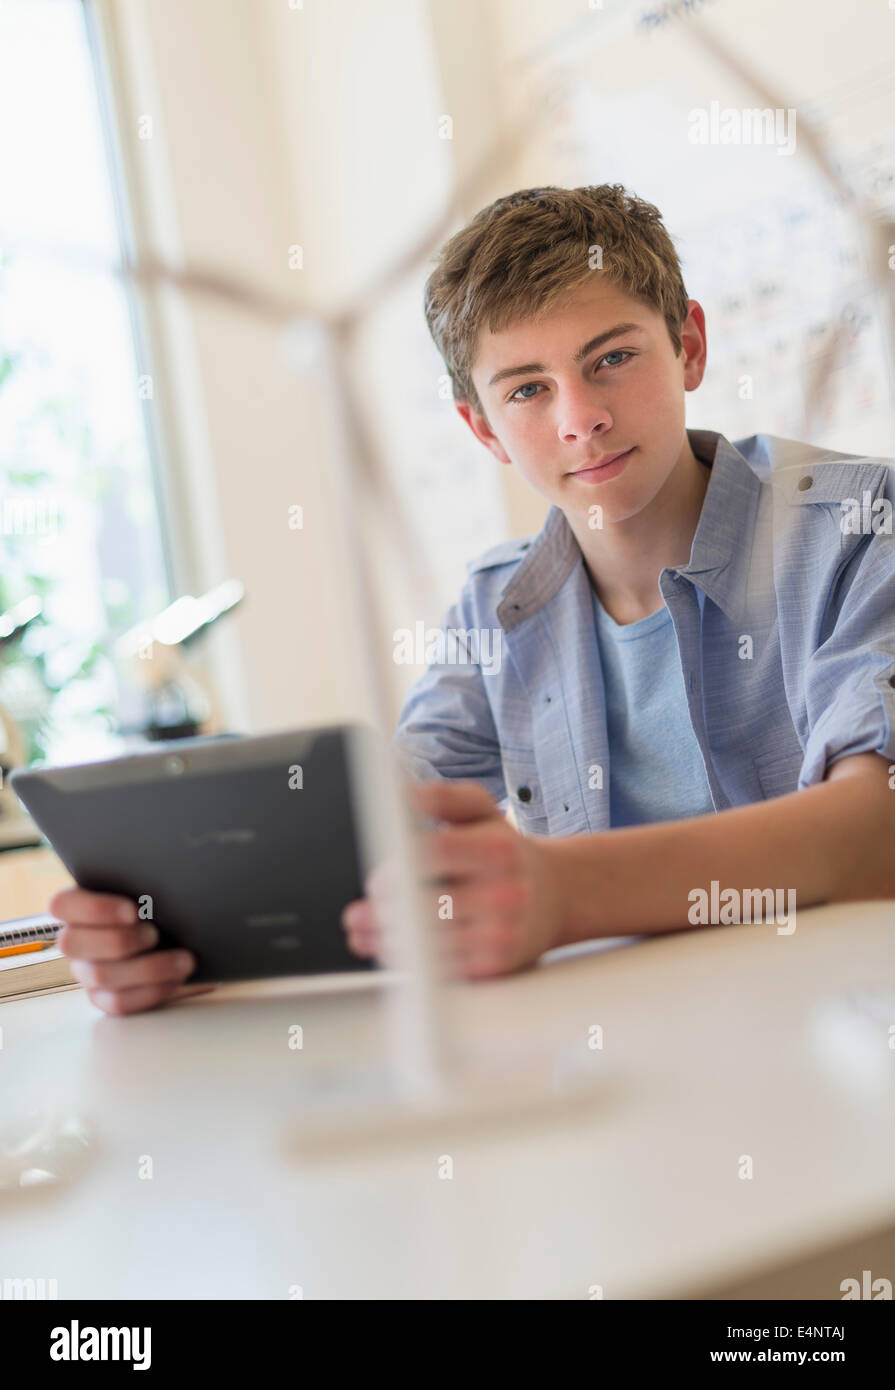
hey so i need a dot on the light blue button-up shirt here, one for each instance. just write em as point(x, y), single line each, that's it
point(785, 624)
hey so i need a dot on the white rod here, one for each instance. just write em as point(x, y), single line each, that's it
point(421, 1053)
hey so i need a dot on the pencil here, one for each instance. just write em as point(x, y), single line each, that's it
point(26, 946)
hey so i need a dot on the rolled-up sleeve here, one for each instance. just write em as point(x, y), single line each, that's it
point(850, 678)
point(446, 727)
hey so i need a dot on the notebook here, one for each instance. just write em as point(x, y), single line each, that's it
point(33, 972)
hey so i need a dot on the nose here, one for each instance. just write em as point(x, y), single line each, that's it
point(581, 414)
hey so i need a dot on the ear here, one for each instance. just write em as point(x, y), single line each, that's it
point(482, 430)
point(693, 345)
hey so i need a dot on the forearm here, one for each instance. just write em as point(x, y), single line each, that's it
point(830, 843)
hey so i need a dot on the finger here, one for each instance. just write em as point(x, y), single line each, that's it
point(358, 915)
point(364, 945)
point(478, 953)
point(110, 943)
point(454, 801)
point(499, 901)
point(187, 991)
point(141, 997)
point(366, 931)
point(448, 948)
point(362, 920)
point(472, 907)
point(155, 968)
point(470, 851)
point(442, 956)
point(381, 880)
point(92, 909)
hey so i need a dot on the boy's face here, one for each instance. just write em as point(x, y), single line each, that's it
point(568, 410)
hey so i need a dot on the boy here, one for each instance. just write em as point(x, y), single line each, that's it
point(696, 652)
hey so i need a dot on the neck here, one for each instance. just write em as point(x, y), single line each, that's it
point(625, 558)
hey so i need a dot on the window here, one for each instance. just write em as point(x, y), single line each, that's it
point(80, 520)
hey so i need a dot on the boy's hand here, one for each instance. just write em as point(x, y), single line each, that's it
point(107, 947)
point(503, 889)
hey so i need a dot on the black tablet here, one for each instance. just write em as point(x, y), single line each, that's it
point(242, 849)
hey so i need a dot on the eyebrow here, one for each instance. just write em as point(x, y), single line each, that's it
point(579, 356)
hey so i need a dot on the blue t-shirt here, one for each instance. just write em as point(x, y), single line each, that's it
point(656, 771)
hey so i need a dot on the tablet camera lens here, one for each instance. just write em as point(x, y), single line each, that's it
point(175, 766)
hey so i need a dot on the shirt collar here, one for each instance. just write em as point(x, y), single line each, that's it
point(719, 555)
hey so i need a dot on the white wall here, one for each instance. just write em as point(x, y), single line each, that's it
point(275, 127)
point(321, 126)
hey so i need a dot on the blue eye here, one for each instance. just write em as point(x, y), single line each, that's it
point(535, 387)
point(529, 385)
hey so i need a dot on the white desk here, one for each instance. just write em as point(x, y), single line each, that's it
point(717, 1043)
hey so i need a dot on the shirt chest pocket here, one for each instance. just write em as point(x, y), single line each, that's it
point(779, 775)
point(524, 793)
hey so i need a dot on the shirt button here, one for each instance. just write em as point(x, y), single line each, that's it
point(524, 793)
point(805, 483)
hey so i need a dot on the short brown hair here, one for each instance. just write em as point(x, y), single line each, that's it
point(522, 253)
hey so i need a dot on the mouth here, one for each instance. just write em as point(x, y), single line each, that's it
point(602, 472)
